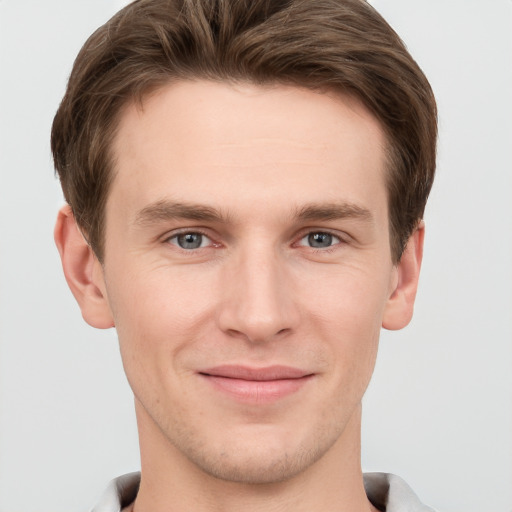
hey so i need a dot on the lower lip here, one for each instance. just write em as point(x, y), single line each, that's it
point(257, 391)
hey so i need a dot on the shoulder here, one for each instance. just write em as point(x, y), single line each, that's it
point(390, 493)
point(120, 493)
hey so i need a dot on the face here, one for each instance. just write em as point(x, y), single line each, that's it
point(248, 272)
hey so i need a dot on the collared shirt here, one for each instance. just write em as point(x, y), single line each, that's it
point(387, 492)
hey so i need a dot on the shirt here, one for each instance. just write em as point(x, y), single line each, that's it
point(387, 492)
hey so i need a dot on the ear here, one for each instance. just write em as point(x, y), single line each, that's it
point(83, 271)
point(400, 306)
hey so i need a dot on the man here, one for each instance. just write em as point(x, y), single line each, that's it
point(245, 184)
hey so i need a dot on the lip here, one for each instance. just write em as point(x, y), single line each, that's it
point(256, 385)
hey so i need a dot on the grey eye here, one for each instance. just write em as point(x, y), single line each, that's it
point(190, 240)
point(319, 240)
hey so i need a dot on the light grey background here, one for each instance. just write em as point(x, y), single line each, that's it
point(439, 411)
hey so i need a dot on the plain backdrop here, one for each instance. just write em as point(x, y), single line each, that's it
point(439, 410)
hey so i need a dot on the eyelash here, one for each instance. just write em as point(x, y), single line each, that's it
point(302, 236)
point(322, 250)
point(175, 236)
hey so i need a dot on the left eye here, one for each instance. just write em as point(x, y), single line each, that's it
point(320, 240)
point(191, 240)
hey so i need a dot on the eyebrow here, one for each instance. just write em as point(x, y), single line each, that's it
point(333, 211)
point(164, 210)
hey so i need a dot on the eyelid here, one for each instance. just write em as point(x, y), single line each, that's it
point(183, 231)
point(341, 236)
point(336, 241)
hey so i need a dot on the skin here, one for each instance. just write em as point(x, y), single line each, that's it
point(268, 170)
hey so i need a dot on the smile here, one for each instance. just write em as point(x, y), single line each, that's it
point(256, 385)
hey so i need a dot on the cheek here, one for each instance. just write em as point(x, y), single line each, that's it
point(157, 315)
point(348, 298)
point(153, 297)
point(348, 314)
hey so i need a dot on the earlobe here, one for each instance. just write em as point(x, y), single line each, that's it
point(82, 270)
point(400, 305)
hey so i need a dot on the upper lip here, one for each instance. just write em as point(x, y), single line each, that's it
point(276, 372)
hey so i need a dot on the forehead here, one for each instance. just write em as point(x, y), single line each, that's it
point(240, 146)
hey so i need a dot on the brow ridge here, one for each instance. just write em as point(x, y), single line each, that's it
point(333, 211)
point(163, 210)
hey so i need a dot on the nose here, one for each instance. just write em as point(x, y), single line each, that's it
point(258, 298)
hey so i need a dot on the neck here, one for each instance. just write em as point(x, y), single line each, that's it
point(171, 482)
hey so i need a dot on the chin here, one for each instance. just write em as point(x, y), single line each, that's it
point(259, 469)
point(261, 460)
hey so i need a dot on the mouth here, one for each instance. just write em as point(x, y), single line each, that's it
point(256, 385)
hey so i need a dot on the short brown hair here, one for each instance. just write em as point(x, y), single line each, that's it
point(343, 45)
